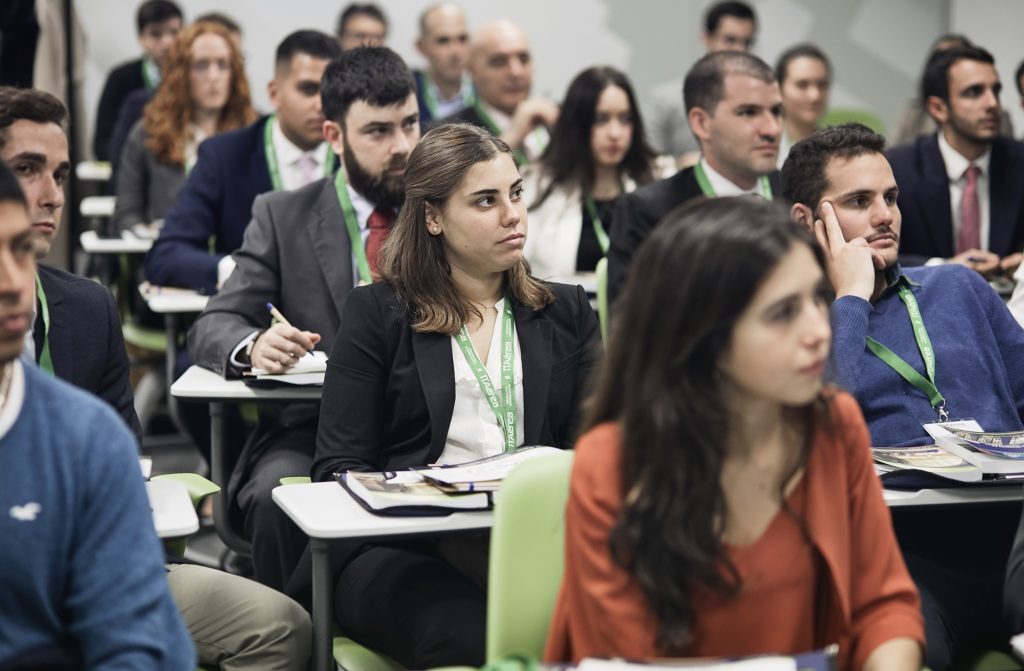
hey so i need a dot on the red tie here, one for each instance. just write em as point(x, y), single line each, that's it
point(379, 224)
point(970, 213)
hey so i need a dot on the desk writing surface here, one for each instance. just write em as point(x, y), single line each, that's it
point(173, 514)
point(897, 498)
point(170, 300)
point(325, 510)
point(200, 384)
point(92, 243)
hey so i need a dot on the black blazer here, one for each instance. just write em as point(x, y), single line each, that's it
point(121, 81)
point(465, 115)
point(86, 343)
point(389, 392)
point(924, 199)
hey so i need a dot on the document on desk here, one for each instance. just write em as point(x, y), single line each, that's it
point(909, 467)
point(994, 453)
point(483, 475)
point(309, 370)
point(406, 493)
point(817, 660)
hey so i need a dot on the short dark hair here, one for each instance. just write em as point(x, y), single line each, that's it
point(375, 75)
point(719, 10)
point(357, 9)
point(222, 20)
point(805, 50)
point(156, 11)
point(10, 189)
point(936, 71)
point(30, 105)
point(310, 42)
point(704, 86)
point(804, 176)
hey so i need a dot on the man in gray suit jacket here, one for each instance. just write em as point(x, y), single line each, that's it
point(303, 252)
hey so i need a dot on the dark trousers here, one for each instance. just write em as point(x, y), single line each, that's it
point(406, 601)
point(957, 558)
point(277, 543)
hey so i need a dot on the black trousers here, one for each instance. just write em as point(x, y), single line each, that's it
point(408, 602)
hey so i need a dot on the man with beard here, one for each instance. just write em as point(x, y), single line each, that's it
point(285, 150)
point(303, 252)
point(962, 188)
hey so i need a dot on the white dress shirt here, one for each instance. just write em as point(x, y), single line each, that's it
point(535, 141)
point(474, 432)
point(956, 166)
point(289, 157)
point(723, 187)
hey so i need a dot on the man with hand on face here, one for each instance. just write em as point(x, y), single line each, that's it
point(962, 188)
point(444, 87)
point(303, 252)
point(501, 66)
point(285, 150)
point(883, 319)
point(734, 109)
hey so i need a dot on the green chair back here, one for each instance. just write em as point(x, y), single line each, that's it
point(841, 115)
point(525, 567)
point(602, 296)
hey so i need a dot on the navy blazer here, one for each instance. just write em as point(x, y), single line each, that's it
point(215, 203)
point(86, 343)
point(121, 81)
point(924, 199)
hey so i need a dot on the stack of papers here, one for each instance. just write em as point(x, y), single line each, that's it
point(310, 369)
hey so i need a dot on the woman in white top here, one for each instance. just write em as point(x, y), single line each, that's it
point(419, 372)
point(598, 151)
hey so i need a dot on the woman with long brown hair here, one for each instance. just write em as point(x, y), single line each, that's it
point(456, 335)
point(204, 92)
point(722, 501)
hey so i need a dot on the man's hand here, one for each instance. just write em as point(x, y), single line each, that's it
point(984, 262)
point(280, 347)
point(529, 114)
point(1009, 264)
point(851, 265)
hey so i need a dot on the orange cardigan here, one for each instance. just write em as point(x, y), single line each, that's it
point(602, 612)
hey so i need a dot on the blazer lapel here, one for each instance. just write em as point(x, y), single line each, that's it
point(1003, 199)
point(433, 352)
point(60, 336)
point(331, 243)
point(934, 197)
point(534, 332)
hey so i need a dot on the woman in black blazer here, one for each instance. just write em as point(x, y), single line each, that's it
point(397, 393)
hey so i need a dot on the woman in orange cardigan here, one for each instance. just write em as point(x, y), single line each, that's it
point(722, 502)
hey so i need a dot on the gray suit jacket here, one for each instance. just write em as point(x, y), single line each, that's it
point(146, 187)
point(296, 254)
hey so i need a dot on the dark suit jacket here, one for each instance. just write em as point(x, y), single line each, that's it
point(216, 201)
point(924, 199)
point(465, 115)
point(421, 84)
point(389, 393)
point(132, 109)
point(86, 342)
point(122, 80)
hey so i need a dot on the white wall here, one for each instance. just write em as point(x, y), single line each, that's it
point(877, 46)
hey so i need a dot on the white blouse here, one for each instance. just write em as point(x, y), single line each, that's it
point(474, 432)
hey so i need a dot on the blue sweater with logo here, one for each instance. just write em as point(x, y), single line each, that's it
point(979, 355)
point(80, 563)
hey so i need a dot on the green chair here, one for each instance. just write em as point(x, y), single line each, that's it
point(526, 557)
point(841, 115)
point(198, 488)
point(602, 296)
point(995, 661)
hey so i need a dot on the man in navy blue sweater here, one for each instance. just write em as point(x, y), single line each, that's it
point(839, 184)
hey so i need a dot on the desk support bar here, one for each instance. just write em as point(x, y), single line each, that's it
point(220, 473)
point(323, 618)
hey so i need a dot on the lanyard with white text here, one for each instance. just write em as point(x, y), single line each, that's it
point(518, 154)
point(45, 359)
point(924, 344)
point(272, 167)
point(505, 408)
point(705, 184)
point(148, 80)
point(355, 238)
point(595, 219)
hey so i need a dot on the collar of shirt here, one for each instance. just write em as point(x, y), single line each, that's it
point(894, 276)
point(288, 154)
point(500, 119)
point(723, 187)
point(956, 164)
point(15, 398)
point(363, 209)
point(460, 97)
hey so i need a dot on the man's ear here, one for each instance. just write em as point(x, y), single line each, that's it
point(937, 109)
point(802, 215)
point(699, 123)
point(334, 136)
point(272, 92)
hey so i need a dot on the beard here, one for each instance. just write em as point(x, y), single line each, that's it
point(382, 190)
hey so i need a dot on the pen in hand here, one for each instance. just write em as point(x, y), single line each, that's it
point(276, 314)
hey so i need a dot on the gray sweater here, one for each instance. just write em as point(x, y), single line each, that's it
point(146, 187)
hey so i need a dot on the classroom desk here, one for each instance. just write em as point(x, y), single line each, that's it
point(173, 514)
point(92, 243)
point(97, 207)
point(93, 171)
point(325, 512)
point(202, 385)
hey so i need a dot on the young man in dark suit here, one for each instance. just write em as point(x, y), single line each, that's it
point(158, 23)
point(304, 251)
point(233, 168)
point(962, 188)
point(734, 108)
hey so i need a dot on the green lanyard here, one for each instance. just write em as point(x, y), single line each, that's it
point(147, 77)
point(430, 99)
point(272, 167)
point(595, 219)
point(705, 184)
point(924, 344)
point(45, 360)
point(505, 408)
point(354, 237)
point(519, 154)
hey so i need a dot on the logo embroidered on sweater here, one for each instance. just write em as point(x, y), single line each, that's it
point(27, 512)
